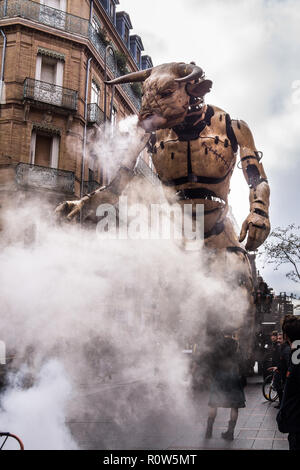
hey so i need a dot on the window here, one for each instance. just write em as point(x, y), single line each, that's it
point(95, 95)
point(126, 35)
point(51, 17)
point(58, 4)
point(138, 57)
point(44, 149)
point(53, 3)
point(113, 121)
point(49, 69)
point(92, 172)
point(91, 175)
point(49, 72)
point(111, 9)
point(96, 24)
point(114, 116)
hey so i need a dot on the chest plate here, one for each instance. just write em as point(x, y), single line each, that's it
point(208, 157)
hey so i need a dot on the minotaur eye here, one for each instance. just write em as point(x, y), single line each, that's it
point(165, 94)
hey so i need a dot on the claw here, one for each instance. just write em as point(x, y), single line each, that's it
point(61, 207)
point(73, 213)
point(69, 209)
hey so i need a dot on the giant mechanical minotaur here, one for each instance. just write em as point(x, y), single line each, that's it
point(194, 152)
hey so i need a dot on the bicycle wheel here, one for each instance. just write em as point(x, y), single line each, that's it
point(6, 436)
point(268, 389)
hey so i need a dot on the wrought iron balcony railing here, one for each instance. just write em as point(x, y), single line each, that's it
point(43, 178)
point(44, 14)
point(95, 114)
point(55, 95)
point(62, 21)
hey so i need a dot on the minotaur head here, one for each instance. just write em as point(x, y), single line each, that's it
point(167, 91)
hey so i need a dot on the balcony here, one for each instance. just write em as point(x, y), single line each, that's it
point(100, 46)
point(54, 95)
point(44, 14)
point(62, 21)
point(95, 114)
point(43, 178)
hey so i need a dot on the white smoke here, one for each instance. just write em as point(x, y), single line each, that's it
point(37, 414)
point(109, 145)
point(97, 328)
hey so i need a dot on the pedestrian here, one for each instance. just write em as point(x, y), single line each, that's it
point(277, 364)
point(226, 390)
point(274, 352)
point(288, 418)
point(284, 360)
point(272, 355)
point(275, 349)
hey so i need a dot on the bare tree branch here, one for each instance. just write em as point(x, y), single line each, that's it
point(283, 247)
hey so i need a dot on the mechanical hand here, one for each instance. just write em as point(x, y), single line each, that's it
point(258, 228)
point(71, 208)
point(107, 194)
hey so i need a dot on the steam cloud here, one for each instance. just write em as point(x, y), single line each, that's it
point(109, 145)
point(97, 327)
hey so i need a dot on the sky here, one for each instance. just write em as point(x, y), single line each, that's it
point(250, 50)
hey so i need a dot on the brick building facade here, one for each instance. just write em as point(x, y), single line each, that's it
point(53, 55)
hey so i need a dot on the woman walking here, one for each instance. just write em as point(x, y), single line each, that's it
point(226, 390)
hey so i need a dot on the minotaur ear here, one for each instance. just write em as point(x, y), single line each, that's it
point(199, 89)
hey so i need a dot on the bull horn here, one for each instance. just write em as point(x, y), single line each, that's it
point(131, 77)
point(190, 72)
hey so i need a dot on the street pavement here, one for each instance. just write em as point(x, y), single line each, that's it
point(256, 426)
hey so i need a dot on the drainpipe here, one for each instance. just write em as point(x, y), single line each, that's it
point(109, 47)
point(85, 124)
point(2, 62)
point(91, 10)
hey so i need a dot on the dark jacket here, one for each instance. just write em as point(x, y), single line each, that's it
point(276, 350)
point(226, 389)
point(288, 418)
point(285, 354)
